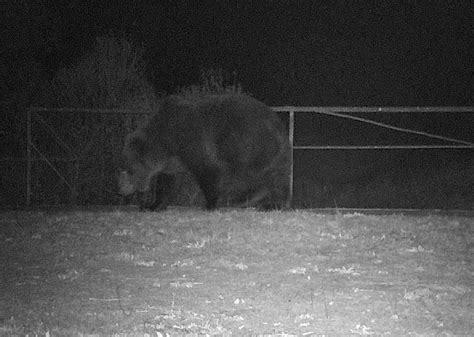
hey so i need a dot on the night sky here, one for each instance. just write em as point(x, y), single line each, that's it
point(336, 53)
point(284, 53)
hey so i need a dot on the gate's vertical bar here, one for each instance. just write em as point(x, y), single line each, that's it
point(28, 157)
point(291, 139)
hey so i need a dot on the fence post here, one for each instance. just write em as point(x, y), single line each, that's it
point(291, 133)
point(28, 157)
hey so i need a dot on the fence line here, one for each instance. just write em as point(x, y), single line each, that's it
point(340, 112)
point(55, 135)
point(396, 128)
point(92, 111)
point(382, 147)
point(29, 159)
point(368, 109)
point(331, 111)
point(60, 159)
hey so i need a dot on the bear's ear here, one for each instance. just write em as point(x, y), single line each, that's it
point(137, 145)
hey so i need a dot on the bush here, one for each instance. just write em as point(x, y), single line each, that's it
point(212, 82)
point(109, 76)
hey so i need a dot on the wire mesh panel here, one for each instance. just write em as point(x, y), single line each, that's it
point(78, 149)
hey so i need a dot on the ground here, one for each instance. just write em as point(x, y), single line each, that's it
point(188, 272)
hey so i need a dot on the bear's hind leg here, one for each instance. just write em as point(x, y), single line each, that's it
point(208, 180)
point(164, 184)
point(158, 197)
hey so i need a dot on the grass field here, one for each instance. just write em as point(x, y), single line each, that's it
point(186, 272)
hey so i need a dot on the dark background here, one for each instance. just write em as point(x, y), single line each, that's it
point(284, 52)
point(292, 53)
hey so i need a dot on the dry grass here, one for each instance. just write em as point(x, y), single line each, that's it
point(239, 272)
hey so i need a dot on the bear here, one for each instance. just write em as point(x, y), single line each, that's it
point(160, 190)
point(235, 146)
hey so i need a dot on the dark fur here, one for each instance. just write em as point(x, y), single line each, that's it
point(157, 197)
point(235, 146)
